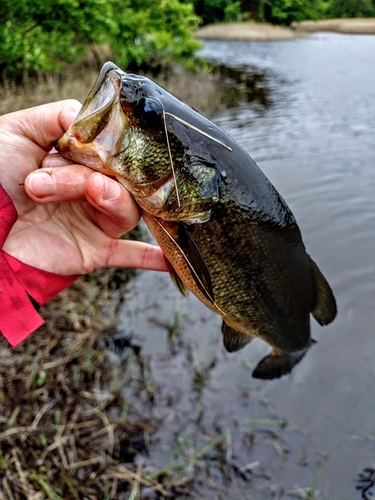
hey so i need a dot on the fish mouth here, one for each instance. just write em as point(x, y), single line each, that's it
point(95, 135)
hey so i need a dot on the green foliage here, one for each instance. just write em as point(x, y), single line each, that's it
point(40, 35)
point(210, 11)
point(153, 32)
point(232, 11)
point(43, 35)
point(280, 11)
point(351, 8)
point(287, 11)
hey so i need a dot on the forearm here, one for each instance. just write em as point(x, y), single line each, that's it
point(19, 281)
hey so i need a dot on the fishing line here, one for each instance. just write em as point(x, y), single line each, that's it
point(197, 130)
point(171, 160)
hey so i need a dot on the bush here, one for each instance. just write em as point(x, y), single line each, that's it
point(351, 8)
point(210, 11)
point(38, 35)
point(154, 32)
point(232, 11)
point(287, 11)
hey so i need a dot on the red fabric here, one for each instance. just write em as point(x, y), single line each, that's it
point(43, 286)
point(18, 317)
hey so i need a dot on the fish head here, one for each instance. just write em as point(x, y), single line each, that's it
point(120, 131)
point(160, 149)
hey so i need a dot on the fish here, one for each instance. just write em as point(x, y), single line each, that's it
point(226, 233)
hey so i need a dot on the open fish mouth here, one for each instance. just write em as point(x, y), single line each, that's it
point(95, 134)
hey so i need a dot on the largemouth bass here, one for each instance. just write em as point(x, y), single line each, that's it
point(226, 233)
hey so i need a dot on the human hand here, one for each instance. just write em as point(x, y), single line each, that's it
point(69, 217)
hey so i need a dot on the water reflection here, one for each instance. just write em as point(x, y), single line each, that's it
point(316, 143)
point(244, 85)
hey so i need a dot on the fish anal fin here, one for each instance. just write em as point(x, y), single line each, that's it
point(277, 364)
point(233, 339)
point(325, 308)
point(176, 279)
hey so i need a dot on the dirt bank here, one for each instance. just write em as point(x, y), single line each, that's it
point(250, 31)
point(365, 26)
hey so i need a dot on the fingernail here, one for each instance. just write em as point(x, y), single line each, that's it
point(41, 184)
point(112, 190)
point(55, 160)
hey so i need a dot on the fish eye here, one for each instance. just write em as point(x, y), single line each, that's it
point(148, 113)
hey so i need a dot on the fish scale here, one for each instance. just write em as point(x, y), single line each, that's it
point(226, 233)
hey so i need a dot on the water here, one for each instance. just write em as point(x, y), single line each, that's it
point(313, 135)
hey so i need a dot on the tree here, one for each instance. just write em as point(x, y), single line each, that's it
point(153, 32)
point(41, 34)
point(44, 34)
point(287, 11)
point(351, 8)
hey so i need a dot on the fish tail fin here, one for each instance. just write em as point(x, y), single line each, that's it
point(233, 339)
point(325, 308)
point(277, 364)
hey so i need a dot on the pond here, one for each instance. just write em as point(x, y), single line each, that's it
point(305, 112)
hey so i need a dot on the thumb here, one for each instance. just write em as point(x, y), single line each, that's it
point(46, 123)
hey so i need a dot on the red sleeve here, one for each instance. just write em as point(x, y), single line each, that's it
point(18, 281)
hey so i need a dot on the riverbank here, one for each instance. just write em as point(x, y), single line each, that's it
point(245, 31)
point(250, 31)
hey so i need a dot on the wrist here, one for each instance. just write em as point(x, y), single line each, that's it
point(19, 282)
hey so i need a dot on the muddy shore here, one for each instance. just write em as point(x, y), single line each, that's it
point(250, 31)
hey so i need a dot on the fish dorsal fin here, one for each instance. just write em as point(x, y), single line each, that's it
point(325, 308)
point(233, 339)
point(194, 260)
point(176, 279)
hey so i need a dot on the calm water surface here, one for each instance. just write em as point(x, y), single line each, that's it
point(310, 126)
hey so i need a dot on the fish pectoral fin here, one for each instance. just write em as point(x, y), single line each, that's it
point(189, 251)
point(325, 308)
point(233, 339)
point(277, 364)
point(196, 263)
point(176, 279)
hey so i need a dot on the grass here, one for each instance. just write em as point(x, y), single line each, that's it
point(189, 455)
point(207, 92)
point(66, 429)
point(63, 417)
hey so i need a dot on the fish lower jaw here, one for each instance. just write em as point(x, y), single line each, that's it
point(87, 154)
